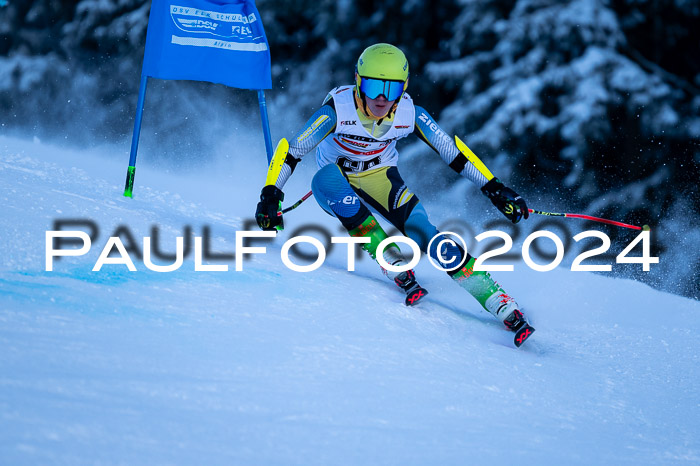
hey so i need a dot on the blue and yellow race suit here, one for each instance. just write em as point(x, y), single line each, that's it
point(356, 155)
point(357, 159)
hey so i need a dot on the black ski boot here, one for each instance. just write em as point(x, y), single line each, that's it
point(515, 320)
point(407, 282)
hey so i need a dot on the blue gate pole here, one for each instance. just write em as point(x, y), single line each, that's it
point(265, 124)
point(129, 187)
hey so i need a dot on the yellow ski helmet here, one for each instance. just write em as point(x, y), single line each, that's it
point(382, 69)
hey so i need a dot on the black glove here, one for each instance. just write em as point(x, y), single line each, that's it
point(506, 200)
point(269, 211)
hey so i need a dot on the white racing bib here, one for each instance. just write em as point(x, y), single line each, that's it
point(352, 147)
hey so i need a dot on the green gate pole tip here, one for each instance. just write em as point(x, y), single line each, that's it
point(129, 187)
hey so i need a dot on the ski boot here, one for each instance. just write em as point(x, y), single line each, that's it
point(407, 282)
point(515, 321)
point(371, 229)
point(495, 300)
point(507, 310)
point(504, 307)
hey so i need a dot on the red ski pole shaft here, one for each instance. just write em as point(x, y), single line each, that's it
point(588, 217)
point(297, 203)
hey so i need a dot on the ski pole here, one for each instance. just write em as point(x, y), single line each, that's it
point(297, 203)
point(588, 217)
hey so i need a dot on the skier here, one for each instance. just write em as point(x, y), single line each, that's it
point(355, 133)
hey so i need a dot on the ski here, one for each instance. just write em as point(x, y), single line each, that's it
point(523, 333)
point(415, 295)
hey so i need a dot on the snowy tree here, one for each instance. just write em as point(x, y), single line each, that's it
point(549, 85)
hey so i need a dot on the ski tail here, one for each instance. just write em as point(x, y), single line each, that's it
point(521, 336)
point(416, 295)
point(407, 282)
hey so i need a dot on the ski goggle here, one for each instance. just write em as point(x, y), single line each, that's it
point(373, 88)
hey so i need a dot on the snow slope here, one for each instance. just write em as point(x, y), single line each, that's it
point(270, 366)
